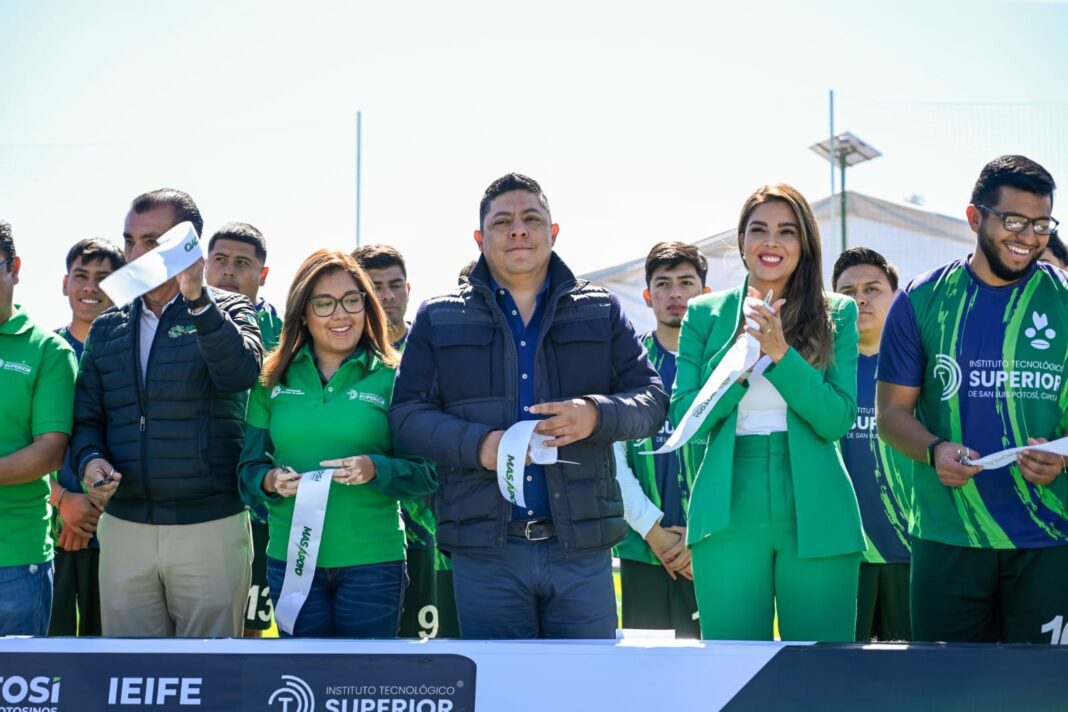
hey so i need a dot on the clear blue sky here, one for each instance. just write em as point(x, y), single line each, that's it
point(643, 121)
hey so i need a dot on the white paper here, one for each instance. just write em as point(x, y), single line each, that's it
point(177, 249)
point(1007, 457)
point(305, 535)
point(511, 460)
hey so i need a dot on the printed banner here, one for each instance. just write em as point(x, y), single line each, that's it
point(512, 459)
point(305, 535)
point(1007, 457)
point(178, 248)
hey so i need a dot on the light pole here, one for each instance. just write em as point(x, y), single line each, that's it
point(845, 150)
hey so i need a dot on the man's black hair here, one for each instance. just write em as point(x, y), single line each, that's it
point(863, 256)
point(380, 257)
point(184, 207)
point(506, 184)
point(7, 243)
point(242, 232)
point(673, 254)
point(1056, 246)
point(1017, 172)
point(94, 248)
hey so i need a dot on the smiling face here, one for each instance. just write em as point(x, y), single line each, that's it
point(82, 288)
point(771, 245)
point(233, 265)
point(337, 335)
point(1004, 257)
point(517, 237)
point(870, 289)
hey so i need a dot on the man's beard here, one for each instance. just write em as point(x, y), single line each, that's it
point(999, 268)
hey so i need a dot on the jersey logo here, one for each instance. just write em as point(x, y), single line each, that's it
point(280, 391)
point(367, 398)
point(947, 371)
point(16, 367)
point(1040, 329)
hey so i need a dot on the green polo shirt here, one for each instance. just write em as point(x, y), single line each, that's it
point(37, 370)
point(302, 421)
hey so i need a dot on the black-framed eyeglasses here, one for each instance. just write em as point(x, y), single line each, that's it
point(325, 305)
point(1015, 222)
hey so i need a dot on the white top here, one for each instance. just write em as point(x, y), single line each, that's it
point(762, 410)
point(149, 324)
point(638, 510)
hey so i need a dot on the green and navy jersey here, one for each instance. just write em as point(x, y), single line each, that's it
point(419, 524)
point(270, 324)
point(879, 476)
point(37, 371)
point(989, 362)
point(665, 479)
point(270, 332)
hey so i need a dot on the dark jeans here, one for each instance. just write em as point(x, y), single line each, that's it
point(347, 602)
point(530, 589)
point(26, 602)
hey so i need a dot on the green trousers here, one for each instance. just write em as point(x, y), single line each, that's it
point(749, 570)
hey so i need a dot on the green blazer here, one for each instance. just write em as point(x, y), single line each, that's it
point(821, 408)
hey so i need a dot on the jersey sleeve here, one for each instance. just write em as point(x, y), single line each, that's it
point(53, 394)
point(901, 357)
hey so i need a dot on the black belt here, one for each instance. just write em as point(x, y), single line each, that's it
point(532, 529)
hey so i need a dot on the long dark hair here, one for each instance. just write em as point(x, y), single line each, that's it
point(806, 316)
point(295, 334)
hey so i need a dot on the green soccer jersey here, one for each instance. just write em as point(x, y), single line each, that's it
point(990, 365)
point(270, 324)
point(37, 371)
point(665, 479)
point(303, 422)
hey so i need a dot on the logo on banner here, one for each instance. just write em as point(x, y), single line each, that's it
point(294, 695)
point(40, 690)
point(1040, 329)
point(947, 371)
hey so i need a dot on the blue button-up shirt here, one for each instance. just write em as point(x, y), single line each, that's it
point(526, 337)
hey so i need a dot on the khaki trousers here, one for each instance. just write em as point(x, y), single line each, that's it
point(177, 580)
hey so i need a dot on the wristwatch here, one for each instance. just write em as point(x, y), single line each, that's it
point(931, 450)
point(200, 302)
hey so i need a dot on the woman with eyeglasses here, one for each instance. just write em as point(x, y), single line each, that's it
point(322, 402)
point(773, 522)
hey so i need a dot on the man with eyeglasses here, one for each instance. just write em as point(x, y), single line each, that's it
point(159, 416)
point(972, 362)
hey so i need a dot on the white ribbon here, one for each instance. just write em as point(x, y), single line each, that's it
point(742, 356)
point(178, 248)
point(1007, 457)
point(305, 535)
point(517, 443)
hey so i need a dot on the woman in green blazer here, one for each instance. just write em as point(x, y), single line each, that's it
point(773, 519)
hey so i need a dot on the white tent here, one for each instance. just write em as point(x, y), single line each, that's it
point(912, 239)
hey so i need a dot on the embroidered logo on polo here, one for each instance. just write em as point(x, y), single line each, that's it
point(1040, 334)
point(282, 391)
point(178, 330)
point(22, 368)
point(367, 398)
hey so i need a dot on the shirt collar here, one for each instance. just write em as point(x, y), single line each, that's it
point(146, 309)
point(18, 323)
point(497, 289)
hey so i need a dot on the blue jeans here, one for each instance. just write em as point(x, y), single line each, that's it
point(530, 589)
point(26, 599)
point(348, 602)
